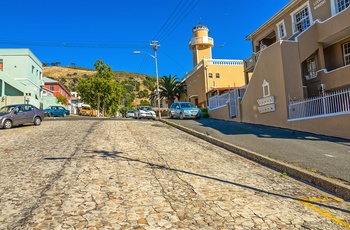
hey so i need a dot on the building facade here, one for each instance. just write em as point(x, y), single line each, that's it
point(57, 89)
point(209, 76)
point(20, 77)
point(298, 76)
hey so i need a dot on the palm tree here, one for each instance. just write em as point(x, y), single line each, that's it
point(170, 88)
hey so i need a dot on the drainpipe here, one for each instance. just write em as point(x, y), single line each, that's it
point(206, 85)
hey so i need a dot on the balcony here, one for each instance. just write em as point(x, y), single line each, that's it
point(334, 28)
point(201, 41)
point(249, 63)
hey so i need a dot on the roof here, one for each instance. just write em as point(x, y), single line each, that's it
point(49, 80)
point(287, 7)
point(200, 27)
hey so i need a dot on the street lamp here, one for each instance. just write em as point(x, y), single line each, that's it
point(155, 47)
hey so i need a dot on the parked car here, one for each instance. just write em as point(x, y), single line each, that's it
point(86, 110)
point(145, 112)
point(55, 111)
point(130, 113)
point(20, 114)
point(184, 110)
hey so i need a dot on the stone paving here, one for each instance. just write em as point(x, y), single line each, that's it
point(131, 174)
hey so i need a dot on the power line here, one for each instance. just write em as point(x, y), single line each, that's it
point(175, 26)
point(73, 44)
point(168, 19)
point(174, 20)
point(178, 21)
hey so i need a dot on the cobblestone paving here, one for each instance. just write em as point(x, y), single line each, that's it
point(130, 174)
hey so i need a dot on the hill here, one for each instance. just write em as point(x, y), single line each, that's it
point(68, 76)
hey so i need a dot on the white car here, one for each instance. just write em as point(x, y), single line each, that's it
point(130, 113)
point(145, 112)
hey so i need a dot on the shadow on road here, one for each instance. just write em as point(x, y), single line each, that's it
point(117, 155)
point(261, 131)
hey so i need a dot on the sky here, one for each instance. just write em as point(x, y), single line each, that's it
point(83, 31)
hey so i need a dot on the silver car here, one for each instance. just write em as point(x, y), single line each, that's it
point(184, 110)
point(20, 114)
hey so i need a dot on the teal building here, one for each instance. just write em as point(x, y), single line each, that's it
point(20, 77)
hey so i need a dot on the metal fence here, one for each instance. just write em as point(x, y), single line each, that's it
point(229, 97)
point(336, 102)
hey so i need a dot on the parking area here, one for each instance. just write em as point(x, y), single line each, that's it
point(144, 174)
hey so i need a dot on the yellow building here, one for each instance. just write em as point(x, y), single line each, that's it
point(298, 76)
point(209, 76)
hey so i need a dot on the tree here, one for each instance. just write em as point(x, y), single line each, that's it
point(170, 88)
point(145, 102)
point(100, 90)
point(143, 93)
point(61, 99)
point(149, 82)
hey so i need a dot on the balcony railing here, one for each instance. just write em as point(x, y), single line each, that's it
point(337, 102)
point(249, 63)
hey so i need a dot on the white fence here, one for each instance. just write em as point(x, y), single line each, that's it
point(229, 97)
point(336, 102)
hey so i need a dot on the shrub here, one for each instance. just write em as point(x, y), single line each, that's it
point(205, 113)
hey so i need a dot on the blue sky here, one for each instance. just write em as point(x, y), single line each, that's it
point(83, 31)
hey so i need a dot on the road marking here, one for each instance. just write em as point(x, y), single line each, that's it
point(306, 202)
point(328, 155)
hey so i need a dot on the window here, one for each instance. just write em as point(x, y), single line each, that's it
point(1, 65)
point(217, 75)
point(346, 53)
point(302, 20)
point(311, 68)
point(52, 87)
point(342, 5)
point(32, 69)
point(210, 75)
point(281, 30)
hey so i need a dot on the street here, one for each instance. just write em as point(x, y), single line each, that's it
point(144, 174)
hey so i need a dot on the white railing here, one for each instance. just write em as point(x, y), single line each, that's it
point(218, 100)
point(229, 97)
point(337, 102)
point(224, 62)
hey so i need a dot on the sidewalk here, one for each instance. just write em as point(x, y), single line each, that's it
point(319, 160)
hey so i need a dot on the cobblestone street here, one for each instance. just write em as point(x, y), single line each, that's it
point(131, 174)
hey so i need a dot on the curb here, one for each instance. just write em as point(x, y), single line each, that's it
point(327, 184)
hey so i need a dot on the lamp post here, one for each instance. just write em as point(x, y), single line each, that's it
point(155, 47)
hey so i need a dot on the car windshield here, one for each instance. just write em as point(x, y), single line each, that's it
point(146, 108)
point(187, 105)
point(6, 109)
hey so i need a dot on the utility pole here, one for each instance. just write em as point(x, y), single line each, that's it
point(155, 47)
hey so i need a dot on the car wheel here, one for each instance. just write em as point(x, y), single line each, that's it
point(49, 114)
point(181, 116)
point(171, 116)
point(64, 114)
point(37, 121)
point(8, 124)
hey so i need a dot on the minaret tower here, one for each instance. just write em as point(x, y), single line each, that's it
point(201, 44)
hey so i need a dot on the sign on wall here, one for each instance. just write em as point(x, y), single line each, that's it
point(267, 103)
